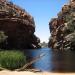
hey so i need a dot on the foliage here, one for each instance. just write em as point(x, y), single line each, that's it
point(71, 24)
point(12, 59)
point(68, 17)
point(44, 44)
point(71, 27)
point(3, 37)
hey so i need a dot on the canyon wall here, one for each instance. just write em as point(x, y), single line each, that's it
point(18, 25)
point(62, 28)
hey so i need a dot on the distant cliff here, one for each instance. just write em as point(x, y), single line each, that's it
point(18, 25)
point(44, 45)
point(62, 28)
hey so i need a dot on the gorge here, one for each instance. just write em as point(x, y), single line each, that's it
point(17, 32)
point(19, 27)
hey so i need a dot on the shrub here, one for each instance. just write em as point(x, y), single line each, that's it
point(12, 59)
point(3, 37)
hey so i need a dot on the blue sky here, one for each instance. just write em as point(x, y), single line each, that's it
point(42, 11)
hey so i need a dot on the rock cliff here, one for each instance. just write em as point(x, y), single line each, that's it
point(18, 25)
point(62, 28)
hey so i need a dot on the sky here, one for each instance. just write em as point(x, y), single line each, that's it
point(42, 11)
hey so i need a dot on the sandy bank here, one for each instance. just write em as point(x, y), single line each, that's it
point(31, 73)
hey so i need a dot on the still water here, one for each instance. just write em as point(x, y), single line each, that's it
point(54, 61)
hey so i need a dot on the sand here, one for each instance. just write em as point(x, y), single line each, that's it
point(5, 72)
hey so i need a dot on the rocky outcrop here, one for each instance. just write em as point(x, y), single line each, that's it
point(18, 25)
point(62, 28)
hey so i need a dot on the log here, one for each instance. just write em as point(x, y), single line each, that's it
point(31, 62)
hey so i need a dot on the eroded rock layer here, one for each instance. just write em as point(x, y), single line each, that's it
point(62, 28)
point(18, 25)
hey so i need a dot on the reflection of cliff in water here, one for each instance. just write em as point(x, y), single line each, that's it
point(64, 61)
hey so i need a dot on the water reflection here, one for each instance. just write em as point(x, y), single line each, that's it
point(64, 61)
point(56, 61)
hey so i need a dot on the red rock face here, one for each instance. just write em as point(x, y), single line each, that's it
point(56, 31)
point(19, 26)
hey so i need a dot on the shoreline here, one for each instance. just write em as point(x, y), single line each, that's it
point(7, 72)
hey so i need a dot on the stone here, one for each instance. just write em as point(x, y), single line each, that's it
point(62, 29)
point(18, 25)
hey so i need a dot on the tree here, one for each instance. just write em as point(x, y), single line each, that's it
point(3, 37)
point(3, 40)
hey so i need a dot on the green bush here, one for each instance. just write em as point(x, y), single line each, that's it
point(71, 27)
point(3, 37)
point(12, 59)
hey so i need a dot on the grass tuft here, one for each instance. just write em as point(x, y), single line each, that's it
point(12, 59)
